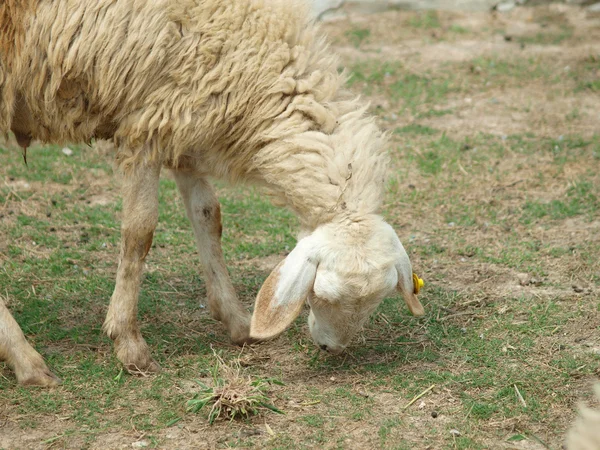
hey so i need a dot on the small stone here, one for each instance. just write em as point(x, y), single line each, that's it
point(140, 444)
point(524, 279)
point(434, 414)
point(454, 432)
point(578, 289)
point(67, 151)
point(536, 282)
point(247, 432)
point(505, 6)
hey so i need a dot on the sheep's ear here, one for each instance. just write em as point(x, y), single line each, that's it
point(406, 284)
point(283, 293)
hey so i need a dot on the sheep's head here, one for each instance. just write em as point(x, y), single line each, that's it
point(344, 270)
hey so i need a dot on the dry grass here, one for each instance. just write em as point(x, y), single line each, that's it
point(233, 394)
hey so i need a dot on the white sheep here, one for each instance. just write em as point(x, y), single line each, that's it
point(584, 434)
point(243, 90)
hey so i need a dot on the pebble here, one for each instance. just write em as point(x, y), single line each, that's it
point(524, 279)
point(434, 414)
point(505, 6)
point(140, 444)
point(455, 432)
point(67, 151)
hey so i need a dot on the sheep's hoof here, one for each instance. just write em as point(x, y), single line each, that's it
point(40, 376)
point(245, 340)
point(134, 353)
point(240, 334)
point(150, 368)
point(242, 337)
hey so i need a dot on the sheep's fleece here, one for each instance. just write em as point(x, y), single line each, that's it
point(243, 90)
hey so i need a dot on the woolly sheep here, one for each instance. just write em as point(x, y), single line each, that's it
point(242, 90)
point(584, 434)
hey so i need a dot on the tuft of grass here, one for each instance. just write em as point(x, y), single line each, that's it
point(426, 20)
point(548, 38)
point(357, 35)
point(233, 394)
point(415, 128)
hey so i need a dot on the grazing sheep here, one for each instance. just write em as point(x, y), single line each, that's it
point(242, 90)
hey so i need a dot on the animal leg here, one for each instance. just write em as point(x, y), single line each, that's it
point(140, 216)
point(29, 366)
point(204, 212)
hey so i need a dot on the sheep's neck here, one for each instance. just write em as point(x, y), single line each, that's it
point(325, 178)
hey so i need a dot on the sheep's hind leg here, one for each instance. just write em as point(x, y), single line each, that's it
point(204, 212)
point(29, 366)
point(140, 216)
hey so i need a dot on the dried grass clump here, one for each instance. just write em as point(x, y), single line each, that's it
point(233, 395)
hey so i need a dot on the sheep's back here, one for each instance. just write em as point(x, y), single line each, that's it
point(178, 74)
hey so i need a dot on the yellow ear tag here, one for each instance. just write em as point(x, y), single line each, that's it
point(418, 283)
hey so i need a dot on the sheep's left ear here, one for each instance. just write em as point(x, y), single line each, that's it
point(283, 293)
point(406, 284)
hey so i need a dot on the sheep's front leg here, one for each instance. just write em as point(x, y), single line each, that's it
point(140, 216)
point(204, 212)
point(29, 366)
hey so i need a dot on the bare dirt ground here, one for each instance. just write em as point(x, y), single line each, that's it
point(493, 119)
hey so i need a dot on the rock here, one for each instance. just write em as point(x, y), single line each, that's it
point(524, 279)
point(140, 444)
point(505, 6)
point(320, 7)
point(536, 282)
point(594, 8)
point(455, 432)
point(67, 151)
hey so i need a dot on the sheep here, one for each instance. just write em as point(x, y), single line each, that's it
point(584, 434)
point(240, 90)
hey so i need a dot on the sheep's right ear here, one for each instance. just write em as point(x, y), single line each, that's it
point(283, 293)
point(406, 283)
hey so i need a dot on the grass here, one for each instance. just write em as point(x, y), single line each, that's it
point(233, 394)
point(480, 208)
point(356, 36)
